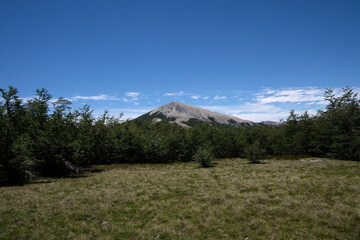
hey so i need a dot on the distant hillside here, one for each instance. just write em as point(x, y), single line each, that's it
point(271, 123)
point(188, 116)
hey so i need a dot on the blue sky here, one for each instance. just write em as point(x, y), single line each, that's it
point(252, 59)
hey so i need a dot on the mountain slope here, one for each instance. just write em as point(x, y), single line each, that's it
point(187, 115)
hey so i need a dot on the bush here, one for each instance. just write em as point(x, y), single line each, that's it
point(254, 152)
point(204, 157)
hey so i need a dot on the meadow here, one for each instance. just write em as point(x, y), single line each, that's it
point(279, 199)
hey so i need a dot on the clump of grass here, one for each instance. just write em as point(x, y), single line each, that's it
point(286, 157)
point(204, 157)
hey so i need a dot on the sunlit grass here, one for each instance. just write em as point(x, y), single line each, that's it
point(232, 200)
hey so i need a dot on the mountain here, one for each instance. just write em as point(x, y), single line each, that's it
point(187, 116)
point(270, 123)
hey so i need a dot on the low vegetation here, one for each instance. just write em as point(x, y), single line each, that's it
point(280, 199)
point(204, 157)
point(254, 153)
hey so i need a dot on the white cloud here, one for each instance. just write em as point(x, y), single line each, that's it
point(247, 107)
point(176, 94)
point(307, 95)
point(131, 97)
point(206, 97)
point(290, 95)
point(196, 97)
point(275, 104)
point(132, 94)
point(258, 117)
point(256, 111)
point(270, 116)
point(101, 97)
point(269, 91)
point(217, 97)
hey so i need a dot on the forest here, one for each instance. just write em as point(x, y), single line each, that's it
point(46, 137)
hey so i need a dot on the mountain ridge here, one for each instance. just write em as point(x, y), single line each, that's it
point(187, 116)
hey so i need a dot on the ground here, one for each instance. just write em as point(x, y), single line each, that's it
point(281, 199)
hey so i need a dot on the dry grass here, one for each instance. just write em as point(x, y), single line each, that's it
point(233, 200)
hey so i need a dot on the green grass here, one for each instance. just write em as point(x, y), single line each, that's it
point(281, 199)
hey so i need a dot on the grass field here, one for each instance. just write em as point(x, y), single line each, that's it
point(281, 199)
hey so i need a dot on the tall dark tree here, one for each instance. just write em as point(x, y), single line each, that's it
point(15, 157)
point(343, 118)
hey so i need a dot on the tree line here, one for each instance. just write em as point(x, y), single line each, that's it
point(46, 137)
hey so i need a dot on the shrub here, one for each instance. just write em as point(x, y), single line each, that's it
point(204, 157)
point(254, 152)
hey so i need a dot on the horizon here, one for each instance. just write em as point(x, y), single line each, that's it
point(265, 105)
point(253, 60)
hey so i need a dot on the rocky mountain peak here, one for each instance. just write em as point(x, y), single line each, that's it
point(188, 115)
